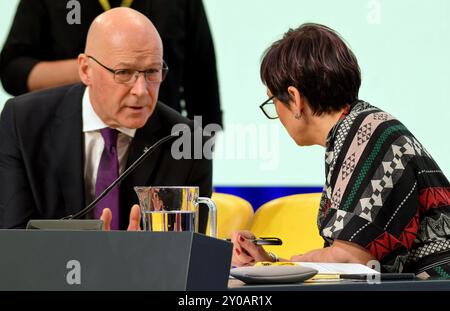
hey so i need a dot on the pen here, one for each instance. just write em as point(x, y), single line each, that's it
point(383, 276)
point(265, 241)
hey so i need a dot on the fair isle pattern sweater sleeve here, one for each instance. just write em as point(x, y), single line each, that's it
point(383, 190)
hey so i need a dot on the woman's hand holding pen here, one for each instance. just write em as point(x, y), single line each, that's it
point(245, 251)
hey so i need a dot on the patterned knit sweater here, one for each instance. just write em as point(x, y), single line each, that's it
point(383, 190)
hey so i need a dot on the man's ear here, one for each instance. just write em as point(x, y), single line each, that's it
point(84, 70)
point(296, 103)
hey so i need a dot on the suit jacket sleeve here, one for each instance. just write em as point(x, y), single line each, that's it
point(201, 93)
point(24, 46)
point(16, 199)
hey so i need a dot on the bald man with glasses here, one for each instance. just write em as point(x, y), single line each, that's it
point(61, 147)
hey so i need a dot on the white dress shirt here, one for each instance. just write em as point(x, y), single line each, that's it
point(94, 144)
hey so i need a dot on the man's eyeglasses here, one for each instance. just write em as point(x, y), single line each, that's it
point(268, 107)
point(129, 76)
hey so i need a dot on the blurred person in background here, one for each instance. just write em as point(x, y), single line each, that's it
point(46, 38)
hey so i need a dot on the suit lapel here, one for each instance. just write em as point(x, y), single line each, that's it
point(67, 137)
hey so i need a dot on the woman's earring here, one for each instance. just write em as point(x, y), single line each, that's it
point(298, 116)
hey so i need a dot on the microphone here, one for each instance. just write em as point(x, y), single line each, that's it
point(73, 221)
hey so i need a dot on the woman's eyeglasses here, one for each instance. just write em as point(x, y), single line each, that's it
point(268, 107)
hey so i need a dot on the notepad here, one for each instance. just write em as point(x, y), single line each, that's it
point(333, 271)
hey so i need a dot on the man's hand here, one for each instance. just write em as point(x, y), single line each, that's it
point(135, 218)
point(106, 217)
point(134, 223)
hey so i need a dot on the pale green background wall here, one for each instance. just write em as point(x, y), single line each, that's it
point(403, 47)
point(7, 10)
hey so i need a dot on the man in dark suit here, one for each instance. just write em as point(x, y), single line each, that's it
point(52, 144)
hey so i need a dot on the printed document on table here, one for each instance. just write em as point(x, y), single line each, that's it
point(338, 268)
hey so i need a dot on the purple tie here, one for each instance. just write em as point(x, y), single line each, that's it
point(108, 171)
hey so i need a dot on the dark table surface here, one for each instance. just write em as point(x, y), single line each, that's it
point(346, 285)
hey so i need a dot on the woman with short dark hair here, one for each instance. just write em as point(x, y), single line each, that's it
point(384, 197)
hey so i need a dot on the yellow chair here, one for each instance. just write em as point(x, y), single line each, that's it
point(293, 219)
point(233, 213)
